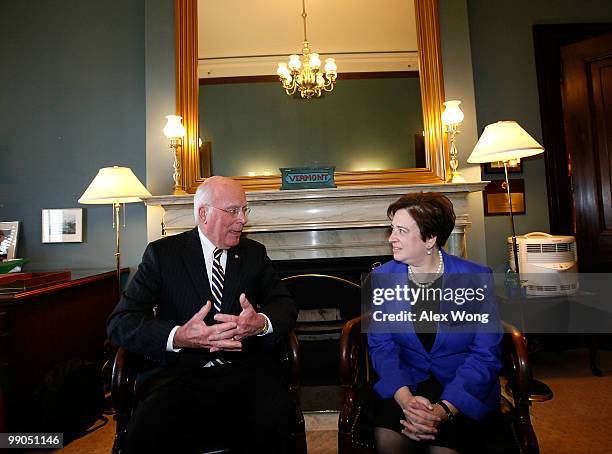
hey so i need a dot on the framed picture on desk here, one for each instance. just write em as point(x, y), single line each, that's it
point(9, 232)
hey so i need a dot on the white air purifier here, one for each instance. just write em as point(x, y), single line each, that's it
point(548, 263)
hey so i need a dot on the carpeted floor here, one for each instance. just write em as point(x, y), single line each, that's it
point(321, 437)
point(575, 421)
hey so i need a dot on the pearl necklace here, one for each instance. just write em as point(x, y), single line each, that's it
point(437, 273)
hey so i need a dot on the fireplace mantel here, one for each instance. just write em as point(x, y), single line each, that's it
point(320, 223)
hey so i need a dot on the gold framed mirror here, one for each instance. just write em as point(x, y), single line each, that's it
point(432, 97)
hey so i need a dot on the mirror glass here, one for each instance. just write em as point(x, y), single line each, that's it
point(370, 121)
point(367, 124)
point(379, 125)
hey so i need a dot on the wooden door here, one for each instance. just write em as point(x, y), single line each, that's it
point(587, 116)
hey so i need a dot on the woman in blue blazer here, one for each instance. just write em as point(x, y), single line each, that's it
point(434, 336)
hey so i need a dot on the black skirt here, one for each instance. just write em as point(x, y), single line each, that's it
point(462, 434)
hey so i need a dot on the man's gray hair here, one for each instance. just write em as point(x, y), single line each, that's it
point(200, 198)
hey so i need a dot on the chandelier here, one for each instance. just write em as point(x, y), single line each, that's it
point(306, 75)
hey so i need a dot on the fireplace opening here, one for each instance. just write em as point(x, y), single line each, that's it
point(327, 292)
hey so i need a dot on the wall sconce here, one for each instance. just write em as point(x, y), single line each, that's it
point(452, 118)
point(175, 131)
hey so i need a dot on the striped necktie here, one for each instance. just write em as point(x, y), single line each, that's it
point(216, 282)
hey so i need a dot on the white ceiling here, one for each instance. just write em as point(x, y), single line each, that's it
point(246, 28)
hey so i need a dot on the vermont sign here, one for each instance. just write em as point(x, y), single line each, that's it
point(307, 177)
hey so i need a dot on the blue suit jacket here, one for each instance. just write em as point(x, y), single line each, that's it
point(466, 362)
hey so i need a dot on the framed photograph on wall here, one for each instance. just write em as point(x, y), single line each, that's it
point(62, 225)
point(497, 168)
point(496, 197)
point(8, 239)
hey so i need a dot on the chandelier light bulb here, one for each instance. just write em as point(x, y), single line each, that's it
point(315, 61)
point(330, 65)
point(283, 71)
point(294, 62)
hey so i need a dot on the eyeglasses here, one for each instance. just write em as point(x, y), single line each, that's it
point(235, 211)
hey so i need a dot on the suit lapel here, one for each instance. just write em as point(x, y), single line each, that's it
point(196, 266)
point(231, 286)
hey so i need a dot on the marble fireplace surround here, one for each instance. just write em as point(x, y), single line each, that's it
point(324, 223)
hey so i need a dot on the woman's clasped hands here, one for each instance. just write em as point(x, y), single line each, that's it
point(422, 417)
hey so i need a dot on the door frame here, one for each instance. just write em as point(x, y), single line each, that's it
point(548, 40)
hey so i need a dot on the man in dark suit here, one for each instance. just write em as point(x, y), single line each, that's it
point(206, 309)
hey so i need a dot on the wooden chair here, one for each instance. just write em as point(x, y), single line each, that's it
point(323, 316)
point(123, 382)
point(509, 431)
point(325, 304)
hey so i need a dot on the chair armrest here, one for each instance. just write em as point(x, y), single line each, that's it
point(516, 363)
point(123, 379)
point(516, 368)
point(293, 355)
point(291, 359)
point(350, 342)
point(352, 374)
point(122, 393)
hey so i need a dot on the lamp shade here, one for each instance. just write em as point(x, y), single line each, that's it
point(503, 141)
point(114, 185)
point(174, 127)
point(452, 114)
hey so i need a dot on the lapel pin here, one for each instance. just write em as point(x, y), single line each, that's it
point(235, 256)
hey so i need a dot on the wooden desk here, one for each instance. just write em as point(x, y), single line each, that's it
point(42, 327)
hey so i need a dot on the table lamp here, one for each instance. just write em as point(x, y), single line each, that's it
point(508, 142)
point(116, 186)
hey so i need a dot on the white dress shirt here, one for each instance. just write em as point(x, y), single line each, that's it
point(208, 250)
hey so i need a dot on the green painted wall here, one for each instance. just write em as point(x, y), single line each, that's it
point(160, 101)
point(72, 91)
point(458, 84)
point(506, 89)
point(362, 124)
point(86, 85)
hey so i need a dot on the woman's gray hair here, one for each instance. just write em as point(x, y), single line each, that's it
point(200, 198)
